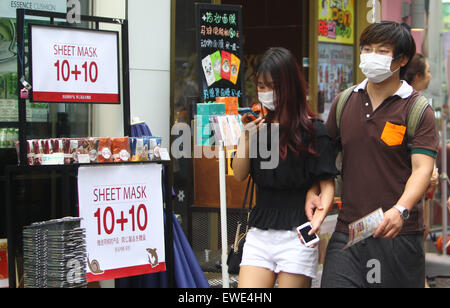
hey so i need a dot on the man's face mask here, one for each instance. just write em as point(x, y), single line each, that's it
point(377, 68)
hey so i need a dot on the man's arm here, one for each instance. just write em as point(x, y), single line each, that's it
point(313, 201)
point(422, 169)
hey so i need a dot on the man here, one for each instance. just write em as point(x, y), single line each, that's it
point(380, 170)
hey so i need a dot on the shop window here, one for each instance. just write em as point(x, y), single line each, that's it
point(44, 120)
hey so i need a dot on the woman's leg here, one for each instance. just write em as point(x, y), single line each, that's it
point(256, 277)
point(291, 281)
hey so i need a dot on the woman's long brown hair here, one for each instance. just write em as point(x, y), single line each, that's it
point(292, 111)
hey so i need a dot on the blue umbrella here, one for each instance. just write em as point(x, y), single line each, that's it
point(140, 129)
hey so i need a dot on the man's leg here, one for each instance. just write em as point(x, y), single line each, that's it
point(401, 262)
point(342, 268)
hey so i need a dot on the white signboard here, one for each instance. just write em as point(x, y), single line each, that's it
point(74, 66)
point(8, 7)
point(122, 211)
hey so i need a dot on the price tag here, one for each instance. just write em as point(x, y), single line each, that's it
point(122, 213)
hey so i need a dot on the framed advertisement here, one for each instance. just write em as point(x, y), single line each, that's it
point(335, 73)
point(71, 65)
point(122, 211)
point(336, 21)
point(220, 51)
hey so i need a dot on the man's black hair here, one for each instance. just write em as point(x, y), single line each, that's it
point(393, 33)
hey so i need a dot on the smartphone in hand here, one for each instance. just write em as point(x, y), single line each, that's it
point(308, 240)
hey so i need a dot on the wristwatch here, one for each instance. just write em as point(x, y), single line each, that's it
point(404, 213)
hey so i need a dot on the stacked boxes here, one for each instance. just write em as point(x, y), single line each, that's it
point(231, 104)
point(55, 254)
point(204, 112)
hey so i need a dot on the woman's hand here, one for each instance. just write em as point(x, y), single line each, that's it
point(434, 178)
point(241, 162)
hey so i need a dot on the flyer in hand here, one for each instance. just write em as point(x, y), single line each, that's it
point(364, 228)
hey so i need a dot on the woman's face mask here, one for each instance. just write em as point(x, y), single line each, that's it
point(267, 99)
point(377, 68)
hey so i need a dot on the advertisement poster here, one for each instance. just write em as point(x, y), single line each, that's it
point(8, 8)
point(446, 16)
point(122, 211)
point(74, 65)
point(4, 282)
point(336, 73)
point(220, 49)
point(446, 46)
point(336, 21)
point(8, 71)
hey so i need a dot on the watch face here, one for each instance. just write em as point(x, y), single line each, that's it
point(405, 214)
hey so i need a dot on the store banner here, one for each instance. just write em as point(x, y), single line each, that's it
point(8, 7)
point(337, 21)
point(74, 65)
point(122, 211)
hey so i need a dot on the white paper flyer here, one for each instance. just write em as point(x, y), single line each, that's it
point(364, 228)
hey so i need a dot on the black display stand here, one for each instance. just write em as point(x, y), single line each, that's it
point(64, 177)
point(21, 14)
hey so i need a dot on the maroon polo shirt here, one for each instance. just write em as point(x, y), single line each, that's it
point(376, 159)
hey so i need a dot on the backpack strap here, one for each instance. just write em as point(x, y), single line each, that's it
point(341, 105)
point(414, 117)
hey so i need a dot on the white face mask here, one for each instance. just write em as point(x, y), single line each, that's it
point(267, 99)
point(377, 68)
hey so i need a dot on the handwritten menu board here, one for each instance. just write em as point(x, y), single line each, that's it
point(220, 51)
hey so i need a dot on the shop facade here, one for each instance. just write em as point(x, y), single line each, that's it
point(164, 88)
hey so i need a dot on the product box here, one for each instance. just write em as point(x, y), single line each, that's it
point(203, 109)
point(231, 104)
point(217, 109)
point(203, 132)
point(204, 142)
point(202, 120)
point(3, 264)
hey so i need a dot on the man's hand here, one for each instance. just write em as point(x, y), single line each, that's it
point(391, 225)
point(448, 204)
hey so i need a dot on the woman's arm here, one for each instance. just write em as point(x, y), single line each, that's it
point(241, 162)
point(326, 198)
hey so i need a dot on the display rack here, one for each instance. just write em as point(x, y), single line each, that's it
point(65, 176)
point(21, 14)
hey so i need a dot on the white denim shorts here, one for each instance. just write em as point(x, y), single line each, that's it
point(279, 251)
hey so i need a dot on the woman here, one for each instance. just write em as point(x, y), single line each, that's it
point(418, 74)
point(272, 249)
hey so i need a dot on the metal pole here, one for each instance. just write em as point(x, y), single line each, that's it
point(223, 216)
point(170, 254)
point(444, 182)
point(20, 18)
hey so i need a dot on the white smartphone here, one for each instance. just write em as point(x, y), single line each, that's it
point(308, 240)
